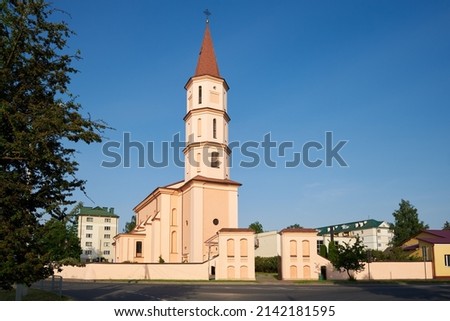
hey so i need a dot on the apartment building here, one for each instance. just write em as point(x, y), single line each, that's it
point(97, 227)
point(375, 235)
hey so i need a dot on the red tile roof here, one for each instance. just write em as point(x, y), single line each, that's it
point(207, 64)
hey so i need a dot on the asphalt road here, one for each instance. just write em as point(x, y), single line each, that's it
point(116, 291)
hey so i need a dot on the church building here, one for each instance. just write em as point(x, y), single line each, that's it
point(179, 222)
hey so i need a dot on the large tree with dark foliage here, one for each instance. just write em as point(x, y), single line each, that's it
point(407, 223)
point(256, 227)
point(39, 119)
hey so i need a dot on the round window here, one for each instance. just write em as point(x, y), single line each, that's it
point(215, 221)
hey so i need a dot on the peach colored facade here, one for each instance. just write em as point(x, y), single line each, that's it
point(299, 254)
point(380, 271)
point(300, 261)
point(177, 223)
point(236, 260)
point(136, 271)
point(166, 228)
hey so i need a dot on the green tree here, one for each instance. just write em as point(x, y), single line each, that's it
point(129, 226)
point(296, 225)
point(332, 251)
point(39, 119)
point(266, 264)
point(60, 241)
point(446, 225)
point(323, 251)
point(349, 257)
point(406, 223)
point(257, 227)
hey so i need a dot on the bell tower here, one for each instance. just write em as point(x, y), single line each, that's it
point(207, 153)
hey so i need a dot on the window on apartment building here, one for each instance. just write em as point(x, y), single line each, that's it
point(107, 228)
point(107, 236)
point(90, 219)
point(106, 252)
point(88, 252)
point(88, 244)
point(138, 249)
point(447, 260)
point(88, 227)
point(106, 244)
point(107, 220)
point(88, 235)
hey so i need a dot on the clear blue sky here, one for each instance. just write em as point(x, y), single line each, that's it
point(375, 73)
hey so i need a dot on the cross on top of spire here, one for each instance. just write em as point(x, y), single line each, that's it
point(207, 14)
point(207, 64)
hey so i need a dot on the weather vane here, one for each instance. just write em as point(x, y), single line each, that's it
point(207, 14)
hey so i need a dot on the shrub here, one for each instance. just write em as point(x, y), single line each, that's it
point(266, 264)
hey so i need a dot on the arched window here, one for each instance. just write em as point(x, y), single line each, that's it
point(215, 160)
point(230, 272)
point(293, 248)
point(230, 247)
point(138, 248)
point(306, 272)
point(305, 248)
point(199, 127)
point(293, 271)
point(198, 159)
point(173, 242)
point(244, 247)
point(226, 133)
point(244, 272)
point(214, 128)
point(173, 219)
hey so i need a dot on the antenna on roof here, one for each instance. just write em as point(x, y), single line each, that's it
point(207, 14)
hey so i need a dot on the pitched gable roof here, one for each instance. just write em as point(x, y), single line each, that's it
point(435, 236)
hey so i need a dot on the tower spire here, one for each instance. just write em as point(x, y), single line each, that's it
point(207, 63)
